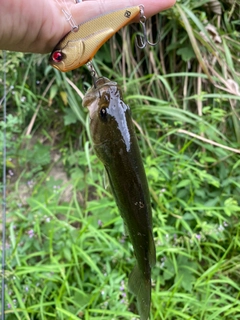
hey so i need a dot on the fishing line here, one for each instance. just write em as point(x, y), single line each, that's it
point(67, 14)
point(4, 184)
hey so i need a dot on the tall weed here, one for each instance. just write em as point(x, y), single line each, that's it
point(67, 254)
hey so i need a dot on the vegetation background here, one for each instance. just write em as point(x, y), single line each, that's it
point(67, 255)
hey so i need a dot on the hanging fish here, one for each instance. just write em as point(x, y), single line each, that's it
point(116, 145)
point(79, 46)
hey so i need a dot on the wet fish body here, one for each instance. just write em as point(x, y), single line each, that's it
point(79, 47)
point(116, 145)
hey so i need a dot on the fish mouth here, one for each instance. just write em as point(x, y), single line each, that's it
point(93, 93)
point(102, 81)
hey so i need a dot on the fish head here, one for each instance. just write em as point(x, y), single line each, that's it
point(97, 100)
point(107, 112)
point(67, 55)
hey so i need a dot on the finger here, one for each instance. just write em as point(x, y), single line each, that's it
point(89, 9)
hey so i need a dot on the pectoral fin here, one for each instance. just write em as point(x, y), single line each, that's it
point(141, 288)
point(106, 180)
point(152, 252)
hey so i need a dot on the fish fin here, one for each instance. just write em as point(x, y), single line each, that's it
point(152, 252)
point(106, 180)
point(141, 287)
point(126, 233)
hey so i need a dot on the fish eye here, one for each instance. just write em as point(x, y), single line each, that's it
point(103, 113)
point(103, 104)
point(57, 56)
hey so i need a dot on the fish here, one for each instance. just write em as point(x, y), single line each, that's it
point(78, 47)
point(115, 144)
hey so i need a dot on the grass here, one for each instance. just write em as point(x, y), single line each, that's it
point(67, 253)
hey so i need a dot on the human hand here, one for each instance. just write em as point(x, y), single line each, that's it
point(37, 26)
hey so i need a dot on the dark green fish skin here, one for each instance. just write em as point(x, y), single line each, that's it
point(116, 145)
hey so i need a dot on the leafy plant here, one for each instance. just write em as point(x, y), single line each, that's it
point(67, 254)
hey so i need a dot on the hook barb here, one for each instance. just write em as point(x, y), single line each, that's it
point(142, 41)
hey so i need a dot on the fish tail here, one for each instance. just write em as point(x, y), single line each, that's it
point(140, 286)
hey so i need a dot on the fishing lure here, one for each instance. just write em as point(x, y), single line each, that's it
point(79, 46)
point(116, 145)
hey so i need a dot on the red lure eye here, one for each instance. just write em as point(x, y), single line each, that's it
point(57, 56)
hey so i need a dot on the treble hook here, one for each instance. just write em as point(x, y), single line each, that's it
point(143, 40)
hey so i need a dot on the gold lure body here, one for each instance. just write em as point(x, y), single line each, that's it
point(79, 47)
